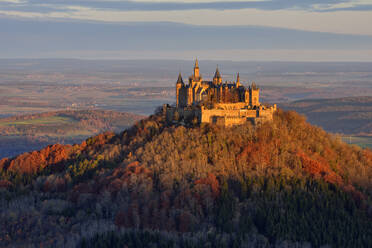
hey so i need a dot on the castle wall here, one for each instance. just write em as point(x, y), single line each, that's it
point(226, 114)
point(231, 116)
point(230, 106)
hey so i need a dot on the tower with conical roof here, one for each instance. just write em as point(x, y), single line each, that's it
point(196, 69)
point(254, 93)
point(217, 79)
point(180, 80)
point(180, 88)
point(238, 81)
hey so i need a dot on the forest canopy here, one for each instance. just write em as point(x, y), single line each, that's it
point(284, 183)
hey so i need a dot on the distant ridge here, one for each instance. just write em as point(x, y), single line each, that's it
point(38, 38)
point(348, 115)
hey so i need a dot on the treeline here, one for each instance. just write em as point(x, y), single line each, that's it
point(282, 184)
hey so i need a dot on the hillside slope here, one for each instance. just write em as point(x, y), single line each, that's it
point(349, 115)
point(283, 184)
point(19, 134)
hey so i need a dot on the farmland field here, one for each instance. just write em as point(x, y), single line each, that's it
point(51, 120)
point(362, 141)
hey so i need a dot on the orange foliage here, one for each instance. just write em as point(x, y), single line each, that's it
point(319, 168)
point(136, 168)
point(29, 163)
point(212, 181)
point(103, 138)
point(367, 154)
point(256, 153)
point(121, 176)
point(117, 179)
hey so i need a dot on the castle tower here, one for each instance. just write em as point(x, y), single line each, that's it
point(190, 99)
point(254, 93)
point(238, 81)
point(196, 69)
point(217, 79)
point(247, 96)
point(179, 86)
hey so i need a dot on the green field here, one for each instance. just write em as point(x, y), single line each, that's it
point(52, 120)
point(362, 141)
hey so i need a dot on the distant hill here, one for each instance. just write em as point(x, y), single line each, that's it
point(25, 133)
point(282, 184)
point(51, 39)
point(349, 115)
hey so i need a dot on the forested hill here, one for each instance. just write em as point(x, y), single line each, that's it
point(348, 115)
point(283, 184)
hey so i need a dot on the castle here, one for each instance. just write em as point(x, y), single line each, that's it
point(228, 103)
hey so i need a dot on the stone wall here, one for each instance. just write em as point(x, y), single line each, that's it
point(227, 114)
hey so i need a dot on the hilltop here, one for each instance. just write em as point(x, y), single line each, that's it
point(285, 183)
point(34, 131)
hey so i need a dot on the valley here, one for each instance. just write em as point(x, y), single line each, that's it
point(19, 134)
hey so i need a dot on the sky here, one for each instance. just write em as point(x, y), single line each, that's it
point(297, 30)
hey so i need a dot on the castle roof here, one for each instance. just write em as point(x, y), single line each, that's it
point(217, 74)
point(254, 86)
point(179, 80)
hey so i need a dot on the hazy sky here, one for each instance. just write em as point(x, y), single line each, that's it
point(349, 17)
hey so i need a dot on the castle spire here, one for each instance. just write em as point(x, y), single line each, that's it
point(217, 79)
point(196, 70)
point(179, 80)
point(217, 74)
point(196, 63)
point(238, 80)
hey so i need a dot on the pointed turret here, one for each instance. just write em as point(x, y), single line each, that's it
point(254, 86)
point(180, 80)
point(196, 63)
point(196, 70)
point(217, 74)
point(180, 88)
point(217, 79)
point(238, 81)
